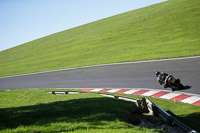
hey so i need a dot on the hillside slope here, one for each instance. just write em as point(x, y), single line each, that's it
point(165, 30)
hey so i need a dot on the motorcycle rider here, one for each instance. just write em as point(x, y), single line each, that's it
point(163, 78)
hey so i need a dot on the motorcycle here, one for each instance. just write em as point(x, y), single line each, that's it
point(169, 81)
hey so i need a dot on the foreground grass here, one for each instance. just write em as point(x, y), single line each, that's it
point(165, 30)
point(39, 111)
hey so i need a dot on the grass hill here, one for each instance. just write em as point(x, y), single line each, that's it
point(164, 30)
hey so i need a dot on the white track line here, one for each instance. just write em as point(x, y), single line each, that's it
point(131, 91)
point(151, 92)
point(96, 90)
point(114, 90)
point(191, 100)
point(170, 95)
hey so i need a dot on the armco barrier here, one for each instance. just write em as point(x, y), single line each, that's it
point(145, 106)
point(167, 118)
point(64, 92)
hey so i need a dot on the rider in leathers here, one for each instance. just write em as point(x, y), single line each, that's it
point(162, 78)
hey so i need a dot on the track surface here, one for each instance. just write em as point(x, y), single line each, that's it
point(128, 75)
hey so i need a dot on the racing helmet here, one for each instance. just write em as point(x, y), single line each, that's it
point(157, 73)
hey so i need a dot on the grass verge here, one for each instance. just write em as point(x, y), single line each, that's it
point(38, 111)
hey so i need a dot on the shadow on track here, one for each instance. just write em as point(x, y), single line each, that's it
point(186, 87)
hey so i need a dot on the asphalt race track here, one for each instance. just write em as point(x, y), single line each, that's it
point(125, 75)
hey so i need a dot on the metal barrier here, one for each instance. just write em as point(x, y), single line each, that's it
point(64, 92)
point(167, 118)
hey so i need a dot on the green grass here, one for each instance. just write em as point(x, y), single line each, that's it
point(38, 111)
point(35, 110)
point(166, 30)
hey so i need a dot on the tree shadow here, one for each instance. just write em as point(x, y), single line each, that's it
point(191, 120)
point(91, 110)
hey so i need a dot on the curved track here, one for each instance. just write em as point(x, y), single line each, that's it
point(122, 75)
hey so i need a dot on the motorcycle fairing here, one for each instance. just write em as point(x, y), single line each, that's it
point(172, 80)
